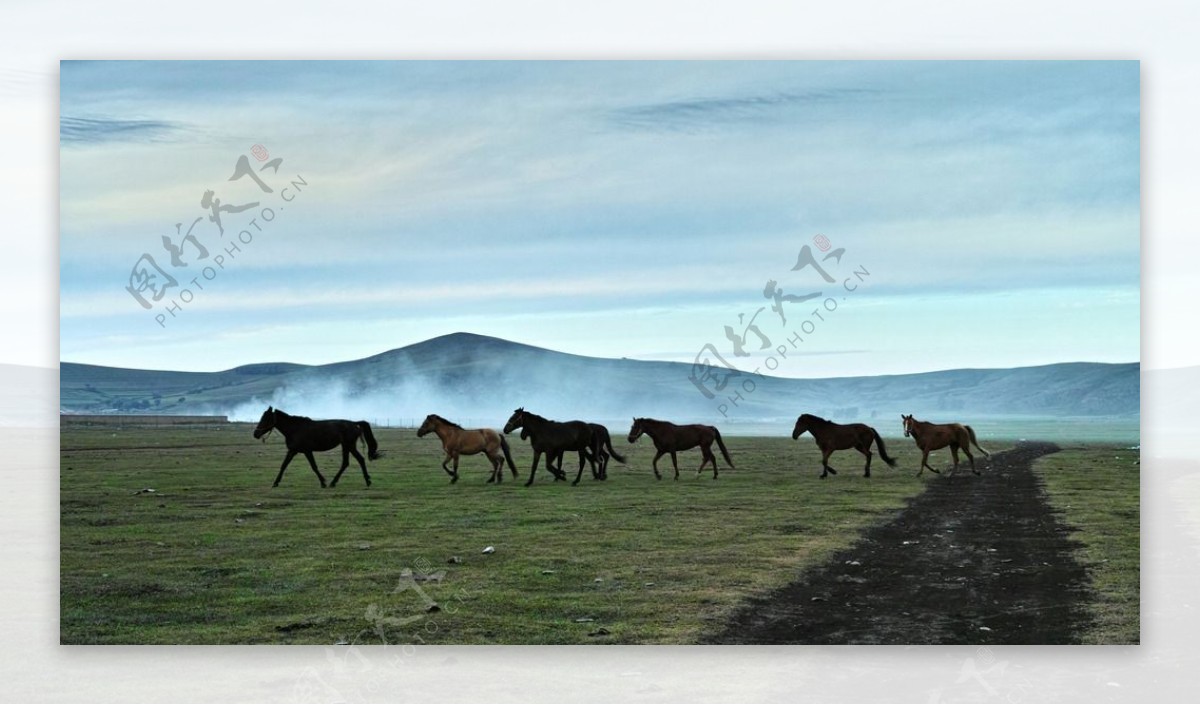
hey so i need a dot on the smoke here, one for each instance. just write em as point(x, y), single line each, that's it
point(476, 392)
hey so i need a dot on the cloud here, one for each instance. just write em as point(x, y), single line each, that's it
point(706, 113)
point(97, 130)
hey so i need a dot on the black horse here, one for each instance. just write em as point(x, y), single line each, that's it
point(303, 435)
point(554, 438)
point(599, 465)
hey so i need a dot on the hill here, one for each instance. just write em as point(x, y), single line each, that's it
point(471, 377)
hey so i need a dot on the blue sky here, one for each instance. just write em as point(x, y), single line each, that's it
point(617, 209)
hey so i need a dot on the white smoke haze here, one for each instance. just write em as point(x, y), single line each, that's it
point(481, 393)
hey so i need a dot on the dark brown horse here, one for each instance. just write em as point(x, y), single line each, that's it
point(932, 436)
point(303, 435)
point(458, 441)
point(600, 464)
point(553, 438)
point(670, 438)
point(832, 436)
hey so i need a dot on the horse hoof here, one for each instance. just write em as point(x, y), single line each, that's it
point(454, 479)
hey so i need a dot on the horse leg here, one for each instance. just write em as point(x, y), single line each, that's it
point(313, 462)
point(971, 458)
point(654, 464)
point(537, 455)
point(345, 464)
point(712, 459)
point(867, 452)
point(925, 464)
point(675, 464)
point(362, 463)
point(826, 470)
point(455, 477)
point(954, 454)
point(286, 459)
point(446, 467)
point(579, 474)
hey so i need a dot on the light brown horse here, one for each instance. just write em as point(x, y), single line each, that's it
point(832, 436)
point(671, 438)
point(932, 436)
point(458, 441)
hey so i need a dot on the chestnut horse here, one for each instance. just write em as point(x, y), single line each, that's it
point(670, 438)
point(832, 436)
point(458, 441)
point(303, 435)
point(932, 436)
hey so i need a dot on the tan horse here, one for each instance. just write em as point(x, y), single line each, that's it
point(932, 436)
point(458, 441)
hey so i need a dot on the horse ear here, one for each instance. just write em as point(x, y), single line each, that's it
point(269, 408)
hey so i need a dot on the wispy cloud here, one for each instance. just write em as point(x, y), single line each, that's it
point(705, 113)
point(93, 130)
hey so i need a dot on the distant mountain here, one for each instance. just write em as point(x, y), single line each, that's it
point(479, 377)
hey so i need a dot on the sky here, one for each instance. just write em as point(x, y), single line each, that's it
point(615, 209)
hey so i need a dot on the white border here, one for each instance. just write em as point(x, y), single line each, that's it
point(35, 36)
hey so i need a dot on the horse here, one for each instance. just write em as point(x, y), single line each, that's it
point(458, 441)
point(670, 438)
point(606, 450)
point(599, 464)
point(931, 436)
point(303, 435)
point(832, 436)
point(553, 438)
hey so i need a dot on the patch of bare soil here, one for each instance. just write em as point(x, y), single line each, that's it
point(972, 560)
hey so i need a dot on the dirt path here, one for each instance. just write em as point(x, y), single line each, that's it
point(972, 560)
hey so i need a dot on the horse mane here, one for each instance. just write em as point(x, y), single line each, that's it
point(446, 421)
point(286, 415)
point(533, 415)
point(814, 417)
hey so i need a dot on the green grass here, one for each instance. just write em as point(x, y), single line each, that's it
point(215, 555)
point(1097, 492)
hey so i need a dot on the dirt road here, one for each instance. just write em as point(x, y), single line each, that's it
point(972, 560)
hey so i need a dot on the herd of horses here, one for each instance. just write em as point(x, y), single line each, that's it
point(592, 442)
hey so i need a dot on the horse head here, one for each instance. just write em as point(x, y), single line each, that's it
point(266, 423)
point(801, 426)
point(426, 427)
point(517, 420)
point(908, 424)
point(636, 430)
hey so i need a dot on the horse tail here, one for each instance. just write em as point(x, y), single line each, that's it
point(971, 433)
point(372, 447)
point(612, 451)
point(508, 455)
point(721, 445)
point(883, 451)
